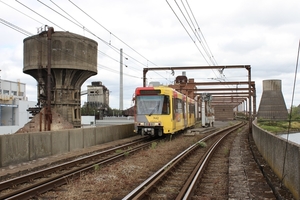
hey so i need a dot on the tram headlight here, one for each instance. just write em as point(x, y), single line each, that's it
point(141, 123)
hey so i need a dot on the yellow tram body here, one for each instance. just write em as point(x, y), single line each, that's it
point(162, 110)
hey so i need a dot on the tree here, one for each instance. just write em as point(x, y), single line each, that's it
point(295, 114)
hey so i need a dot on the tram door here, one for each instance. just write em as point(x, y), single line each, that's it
point(174, 111)
point(185, 114)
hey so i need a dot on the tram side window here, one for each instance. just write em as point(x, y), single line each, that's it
point(178, 106)
point(192, 109)
point(166, 106)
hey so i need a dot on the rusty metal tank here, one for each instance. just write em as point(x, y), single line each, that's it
point(64, 60)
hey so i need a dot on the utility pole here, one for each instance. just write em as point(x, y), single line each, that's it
point(121, 80)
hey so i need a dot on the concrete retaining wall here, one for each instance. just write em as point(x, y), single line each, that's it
point(16, 148)
point(275, 150)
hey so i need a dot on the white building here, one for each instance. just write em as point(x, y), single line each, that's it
point(13, 106)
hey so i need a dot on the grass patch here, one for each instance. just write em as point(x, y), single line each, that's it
point(96, 167)
point(202, 144)
point(226, 152)
point(153, 145)
point(126, 153)
point(119, 151)
point(279, 126)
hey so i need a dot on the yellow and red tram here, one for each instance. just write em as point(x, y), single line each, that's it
point(162, 110)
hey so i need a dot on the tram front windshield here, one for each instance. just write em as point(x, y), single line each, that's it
point(152, 105)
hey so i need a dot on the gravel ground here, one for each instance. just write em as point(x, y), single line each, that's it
point(118, 179)
point(114, 181)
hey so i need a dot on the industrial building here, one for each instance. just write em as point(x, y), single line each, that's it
point(97, 94)
point(14, 105)
point(97, 99)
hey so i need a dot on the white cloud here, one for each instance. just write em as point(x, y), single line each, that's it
point(263, 34)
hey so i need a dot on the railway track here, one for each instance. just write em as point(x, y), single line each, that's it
point(179, 178)
point(35, 183)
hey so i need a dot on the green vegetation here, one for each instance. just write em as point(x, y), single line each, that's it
point(153, 145)
point(226, 152)
point(295, 115)
point(96, 110)
point(202, 144)
point(126, 153)
point(282, 126)
point(96, 167)
point(118, 151)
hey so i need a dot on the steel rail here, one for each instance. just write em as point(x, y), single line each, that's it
point(189, 186)
point(41, 173)
point(140, 191)
point(55, 181)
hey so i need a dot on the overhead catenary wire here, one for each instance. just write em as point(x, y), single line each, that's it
point(85, 28)
point(207, 55)
point(39, 14)
point(290, 115)
point(24, 32)
point(30, 34)
point(20, 12)
point(193, 28)
point(116, 37)
point(16, 28)
point(80, 25)
point(110, 32)
point(73, 19)
point(65, 30)
point(198, 28)
point(191, 21)
point(69, 17)
point(187, 32)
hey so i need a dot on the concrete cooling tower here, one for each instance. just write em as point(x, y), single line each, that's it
point(60, 62)
point(272, 105)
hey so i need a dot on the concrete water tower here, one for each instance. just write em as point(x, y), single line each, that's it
point(272, 105)
point(60, 62)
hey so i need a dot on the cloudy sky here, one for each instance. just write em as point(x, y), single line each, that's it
point(154, 33)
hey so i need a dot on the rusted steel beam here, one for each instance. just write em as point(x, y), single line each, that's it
point(229, 100)
point(251, 85)
point(236, 96)
point(225, 93)
point(224, 83)
point(220, 89)
point(234, 104)
point(222, 67)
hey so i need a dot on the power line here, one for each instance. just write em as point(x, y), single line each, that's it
point(39, 14)
point(20, 12)
point(115, 37)
point(74, 21)
point(85, 28)
point(194, 30)
point(187, 32)
point(24, 32)
point(196, 35)
point(201, 32)
point(16, 28)
point(109, 31)
point(65, 30)
point(191, 21)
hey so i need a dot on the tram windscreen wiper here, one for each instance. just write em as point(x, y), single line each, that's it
point(155, 108)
